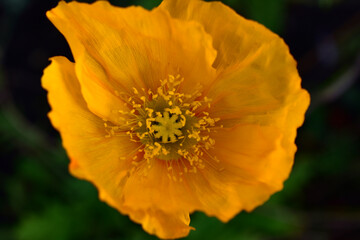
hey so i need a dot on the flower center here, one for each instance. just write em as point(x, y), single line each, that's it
point(167, 127)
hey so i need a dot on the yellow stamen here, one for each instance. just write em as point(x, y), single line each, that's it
point(168, 125)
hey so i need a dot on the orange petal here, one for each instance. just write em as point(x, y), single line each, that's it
point(257, 77)
point(234, 37)
point(118, 54)
point(97, 158)
point(220, 191)
point(260, 87)
point(163, 224)
point(69, 112)
point(223, 194)
point(252, 165)
point(102, 99)
point(254, 153)
point(102, 160)
point(76, 170)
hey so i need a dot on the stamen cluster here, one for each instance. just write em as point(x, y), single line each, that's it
point(169, 125)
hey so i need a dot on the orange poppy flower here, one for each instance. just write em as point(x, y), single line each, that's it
point(188, 107)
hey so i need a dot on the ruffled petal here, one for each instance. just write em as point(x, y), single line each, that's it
point(245, 176)
point(105, 161)
point(69, 112)
point(223, 194)
point(257, 80)
point(124, 54)
point(261, 88)
point(261, 104)
point(102, 99)
point(158, 188)
point(234, 37)
point(95, 157)
point(252, 165)
point(165, 225)
point(258, 97)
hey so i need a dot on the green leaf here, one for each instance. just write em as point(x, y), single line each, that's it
point(271, 13)
point(54, 223)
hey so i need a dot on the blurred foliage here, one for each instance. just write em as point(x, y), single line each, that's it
point(39, 200)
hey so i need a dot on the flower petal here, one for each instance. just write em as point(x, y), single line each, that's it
point(102, 160)
point(101, 97)
point(69, 112)
point(164, 225)
point(234, 37)
point(256, 73)
point(265, 82)
point(96, 158)
point(254, 153)
point(127, 54)
point(261, 105)
point(252, 165)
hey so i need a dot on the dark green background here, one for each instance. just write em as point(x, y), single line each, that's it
point(39, 200)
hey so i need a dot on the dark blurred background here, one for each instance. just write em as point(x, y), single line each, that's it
point(39, 200)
